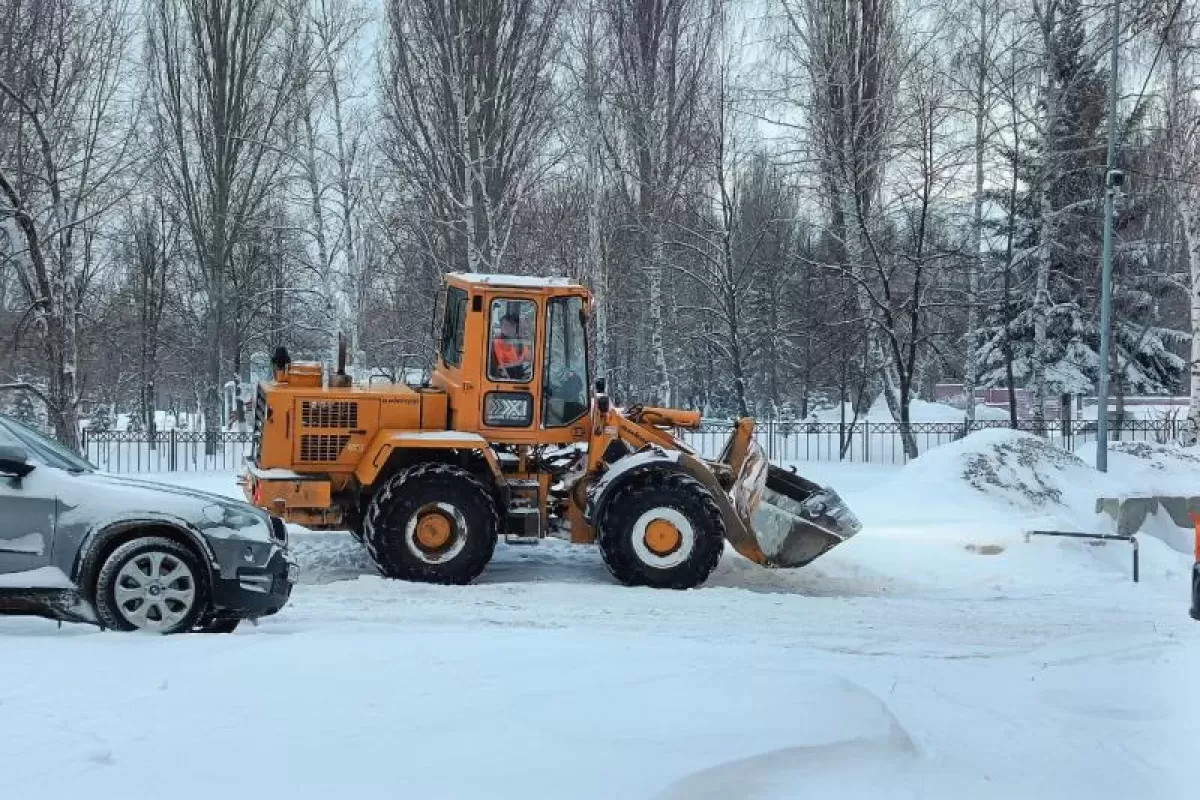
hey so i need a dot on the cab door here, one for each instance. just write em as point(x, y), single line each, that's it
point(511, 365)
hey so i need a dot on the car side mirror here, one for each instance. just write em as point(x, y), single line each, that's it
point(14, 460)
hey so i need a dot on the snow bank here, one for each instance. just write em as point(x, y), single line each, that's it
point(918, 410)
point(1149, 468)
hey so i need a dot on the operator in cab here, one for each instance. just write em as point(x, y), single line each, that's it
point(511, 356)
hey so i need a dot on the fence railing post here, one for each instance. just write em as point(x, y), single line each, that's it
point(173, 458)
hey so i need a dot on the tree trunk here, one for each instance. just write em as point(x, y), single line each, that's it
point(662, 377)
point(595, 189)
point(975, 262)
point(1191, 231)
point(324, 262)
point(1048, 232)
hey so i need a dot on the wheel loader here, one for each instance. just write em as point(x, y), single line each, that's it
point(508, 438)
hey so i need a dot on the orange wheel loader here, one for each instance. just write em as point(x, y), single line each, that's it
point(509, 439)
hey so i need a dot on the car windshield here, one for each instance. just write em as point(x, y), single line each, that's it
point(44, 448)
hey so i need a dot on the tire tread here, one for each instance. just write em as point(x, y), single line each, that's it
point(665, 489)
point(389, 554)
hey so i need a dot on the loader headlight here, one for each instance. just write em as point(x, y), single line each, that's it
point(508, 409)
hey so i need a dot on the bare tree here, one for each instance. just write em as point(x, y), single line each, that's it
point(66, 124)
point(593, 81)
point(851, 54)
point(338, 27)
point(222, 75)
point(150, 245)
point(469, 107)
point(325, 34)
point(664, 52)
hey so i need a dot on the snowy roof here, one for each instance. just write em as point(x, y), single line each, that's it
point(516, 281)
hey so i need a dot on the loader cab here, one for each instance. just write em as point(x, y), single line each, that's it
point(513, 357)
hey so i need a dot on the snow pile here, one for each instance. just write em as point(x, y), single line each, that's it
point(328, 556)
point(1021, 469)
point(957, 520)
point(1150, 468)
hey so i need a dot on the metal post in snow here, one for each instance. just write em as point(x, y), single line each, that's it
point(1113, 179)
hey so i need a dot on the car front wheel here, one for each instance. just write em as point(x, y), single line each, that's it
point(151, 584)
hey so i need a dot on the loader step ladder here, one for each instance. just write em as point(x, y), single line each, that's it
point(523, 522)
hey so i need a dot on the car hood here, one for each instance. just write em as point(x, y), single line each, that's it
point(108, 479)
point(104, 496)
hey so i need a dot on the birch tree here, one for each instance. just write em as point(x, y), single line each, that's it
point(325, 35)
point(980, 31)
point(1181, 39)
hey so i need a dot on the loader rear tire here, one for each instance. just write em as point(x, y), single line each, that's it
point(626, 536)
point(432, 523)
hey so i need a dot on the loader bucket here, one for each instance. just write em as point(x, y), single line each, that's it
point(793, 520)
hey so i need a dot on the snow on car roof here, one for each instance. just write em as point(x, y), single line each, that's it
point(516, 281)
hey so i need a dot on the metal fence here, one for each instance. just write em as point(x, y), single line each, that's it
point(866, 442)
point(883, 442)
point(166, 451)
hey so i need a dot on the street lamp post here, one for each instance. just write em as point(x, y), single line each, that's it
point(1113, 179)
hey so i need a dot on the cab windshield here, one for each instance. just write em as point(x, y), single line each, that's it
point(565, 397)
point(43, 448)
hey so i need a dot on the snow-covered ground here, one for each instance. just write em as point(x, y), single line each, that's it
point(938, 654)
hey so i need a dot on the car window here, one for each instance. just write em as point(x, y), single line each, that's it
point(43, 448)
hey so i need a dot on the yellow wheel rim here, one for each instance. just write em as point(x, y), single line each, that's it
point(433, 531)
point(662, 537)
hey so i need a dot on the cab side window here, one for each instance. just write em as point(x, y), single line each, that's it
point(454, 321)
point(511, 332)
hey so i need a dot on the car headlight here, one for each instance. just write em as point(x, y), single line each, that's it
point(232, 517)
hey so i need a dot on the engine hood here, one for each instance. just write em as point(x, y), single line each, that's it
point(100, 496)
point(136, 486)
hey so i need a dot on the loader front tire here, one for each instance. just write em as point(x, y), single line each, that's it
point(432, 523)
point(663, 530)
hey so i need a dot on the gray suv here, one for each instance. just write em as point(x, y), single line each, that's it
point(82, 545)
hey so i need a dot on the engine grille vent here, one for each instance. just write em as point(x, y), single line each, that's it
point(328, 414)
point(322, 446)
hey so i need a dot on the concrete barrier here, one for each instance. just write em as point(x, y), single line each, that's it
point(1172, 516)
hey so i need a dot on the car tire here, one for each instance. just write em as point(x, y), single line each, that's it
point(694, 532)
point(432, 523)
point(154, 584)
